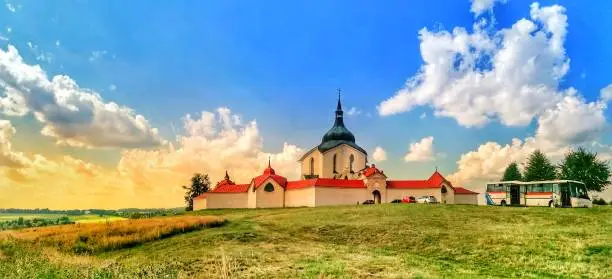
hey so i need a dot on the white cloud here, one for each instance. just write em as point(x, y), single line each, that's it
point(40, 54)
point(353, 111)
point(70, 114)
point(480, 6)
point(423, 115)
point(97, 55)
point(11, 7)
point(379, 154)
point(8, 157)
point(510, 75)
point(112, 87)
point(2, 38)
point(214, 142)
point(57, 43)
point(421, 151)
point(9, 29)
point(606, 93)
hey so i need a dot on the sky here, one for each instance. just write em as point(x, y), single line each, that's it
point(111, 104)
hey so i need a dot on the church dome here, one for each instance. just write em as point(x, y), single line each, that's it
point(269, 170)
point(338, 134)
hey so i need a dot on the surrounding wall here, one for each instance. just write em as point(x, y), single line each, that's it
point(339, 196)
point(199, 204)
point(466, 199)
point(225, 200)
point(270, 199)
point(300, 197)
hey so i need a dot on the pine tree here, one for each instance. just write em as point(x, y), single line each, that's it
point(199, 185)
point(539, 168)
point(512, 173)
point(584, 166)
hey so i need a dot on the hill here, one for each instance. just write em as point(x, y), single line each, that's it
point(391, 241)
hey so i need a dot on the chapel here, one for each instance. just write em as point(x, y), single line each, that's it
point(335, 172)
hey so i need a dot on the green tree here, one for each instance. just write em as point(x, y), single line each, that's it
point(539, 167)
point(199, 185)
point(512, 173)
point(582, 165)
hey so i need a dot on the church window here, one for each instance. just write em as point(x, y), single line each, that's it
point(269, 187)
point(335, 159)
point(351, 161)
point(311, 166)
point(443, 190)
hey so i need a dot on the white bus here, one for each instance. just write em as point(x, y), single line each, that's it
point(552, 193)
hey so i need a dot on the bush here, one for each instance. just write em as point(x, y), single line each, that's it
point(599, 201)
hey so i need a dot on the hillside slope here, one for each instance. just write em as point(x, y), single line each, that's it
point(391, 241)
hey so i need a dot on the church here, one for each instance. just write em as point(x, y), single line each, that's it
point(335, 172)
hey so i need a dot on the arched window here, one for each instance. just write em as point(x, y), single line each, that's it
point(311, 166)
point(269, 187)
point(443, 189)
point(351, 161)
point(335, 157)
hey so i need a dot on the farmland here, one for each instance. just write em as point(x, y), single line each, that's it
point(391, 241)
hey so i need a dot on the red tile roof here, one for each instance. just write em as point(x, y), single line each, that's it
point(269, 173)
point(463, 191)
point(372, 170)
point(325, 182)
point(237, 188)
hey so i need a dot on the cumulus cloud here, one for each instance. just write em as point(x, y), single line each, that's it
point(72, 115)
point(421, 151)
point(510, 75)
point(353, 111)
point(8, 157)
point(606, 93)
point(379, 154)
point(480, 6)
point(214, 142)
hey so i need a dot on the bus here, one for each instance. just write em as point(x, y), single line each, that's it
point(552, 193)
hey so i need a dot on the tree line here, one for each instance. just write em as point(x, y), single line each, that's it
point(579, 165)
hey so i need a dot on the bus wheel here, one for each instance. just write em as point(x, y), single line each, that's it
point(503, 203)
point(551, 204)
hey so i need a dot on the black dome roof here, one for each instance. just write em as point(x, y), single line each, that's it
point(338, 134)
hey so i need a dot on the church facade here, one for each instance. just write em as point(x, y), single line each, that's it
point(335, 172)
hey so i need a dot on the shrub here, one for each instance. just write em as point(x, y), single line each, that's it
point(599, 201)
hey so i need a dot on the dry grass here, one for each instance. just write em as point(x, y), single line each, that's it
point(99, 237)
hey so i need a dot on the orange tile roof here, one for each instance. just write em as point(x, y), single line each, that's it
point(325, 182)
point(372, 170)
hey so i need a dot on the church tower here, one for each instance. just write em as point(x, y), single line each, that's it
point(337, 156)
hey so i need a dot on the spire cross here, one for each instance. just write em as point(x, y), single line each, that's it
point(269, 161)
point(339, 91)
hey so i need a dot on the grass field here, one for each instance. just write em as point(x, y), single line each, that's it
point(89, 218)
point(384, 241)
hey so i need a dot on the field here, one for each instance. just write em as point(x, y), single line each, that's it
point(384, 241)
point(15, 216)
point(89, 218)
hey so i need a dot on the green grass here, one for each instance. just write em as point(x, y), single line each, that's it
point(382, 241)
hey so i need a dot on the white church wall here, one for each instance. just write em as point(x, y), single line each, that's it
point(343, 153)
point(270, 199)
point(466, 199)
point(199, 203)
point(318, 164)
point(226, 200)
point(339, 196)
point(300, 197)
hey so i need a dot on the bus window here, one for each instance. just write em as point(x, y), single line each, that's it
point(495, 188)
point(555, 188)
point(573, 190)
point(582, 192)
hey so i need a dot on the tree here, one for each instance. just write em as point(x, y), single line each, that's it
point(199, 185)
point(582, 165)
point(512, 173)
point(539, 167)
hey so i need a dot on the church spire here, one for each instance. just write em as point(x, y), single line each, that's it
point(339, 107)
point(339, 113)
point(226, 175)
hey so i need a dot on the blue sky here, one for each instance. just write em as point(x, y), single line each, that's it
point(278, 62)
